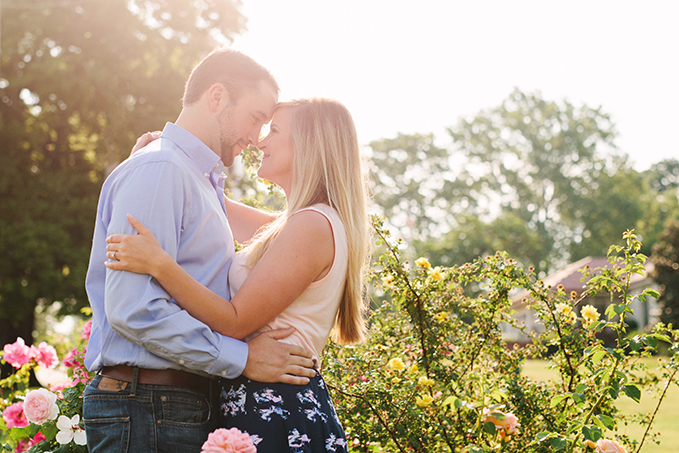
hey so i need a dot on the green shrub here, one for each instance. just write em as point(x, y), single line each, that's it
point(435, 373)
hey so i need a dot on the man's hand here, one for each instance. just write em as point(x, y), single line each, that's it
point(270, 360)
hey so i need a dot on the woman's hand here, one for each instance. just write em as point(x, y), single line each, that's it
point(140, 253)
point(145, 140)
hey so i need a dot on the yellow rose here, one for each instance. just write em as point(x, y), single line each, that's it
point(609, 446)
point(395, 380)
point(441, 316)
point(424, 400)
point(423, 262)
point(589, 314)
point(567, 311)
point(423, 380)
point(413, 369)
point(388, 280)
point(396, 364)
point(436, 275)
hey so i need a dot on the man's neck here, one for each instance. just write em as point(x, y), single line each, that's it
point(196, 125)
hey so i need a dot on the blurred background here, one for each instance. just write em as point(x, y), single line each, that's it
point(545, 129)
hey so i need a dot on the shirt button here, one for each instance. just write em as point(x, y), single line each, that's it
point(207, 175)
point(224, 373)
point(182, 362)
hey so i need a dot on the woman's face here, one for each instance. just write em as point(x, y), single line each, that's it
point(277, 151)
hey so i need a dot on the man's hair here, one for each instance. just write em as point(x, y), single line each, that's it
point(233, 69)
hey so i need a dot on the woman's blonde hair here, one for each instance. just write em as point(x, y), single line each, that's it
point(326, 168)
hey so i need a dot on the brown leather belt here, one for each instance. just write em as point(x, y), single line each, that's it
point(172, 378)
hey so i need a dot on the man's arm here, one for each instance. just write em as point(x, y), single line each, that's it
point(137, 307)
point(140, 311)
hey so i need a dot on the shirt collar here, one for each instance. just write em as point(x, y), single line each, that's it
point(206, 159)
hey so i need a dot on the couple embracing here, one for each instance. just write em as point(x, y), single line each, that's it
point(189, 336)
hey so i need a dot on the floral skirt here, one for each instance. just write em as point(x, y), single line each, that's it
point(283, 417)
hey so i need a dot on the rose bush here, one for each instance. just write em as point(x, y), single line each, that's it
point(40, 420)
point(436, 374)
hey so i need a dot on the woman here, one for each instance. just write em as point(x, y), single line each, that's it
point(301, 268)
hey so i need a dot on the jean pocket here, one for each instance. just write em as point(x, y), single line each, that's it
point(184, 408)
point(107, 424)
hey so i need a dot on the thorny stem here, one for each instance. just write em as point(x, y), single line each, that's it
point(418, 299)
point(552, 313)
point(650, 423)
point(374, 411)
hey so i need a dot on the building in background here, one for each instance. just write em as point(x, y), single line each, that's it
point(645, 315)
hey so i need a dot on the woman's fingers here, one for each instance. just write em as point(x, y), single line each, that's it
point(141, 229)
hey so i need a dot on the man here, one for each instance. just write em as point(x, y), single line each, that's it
point(152, 391)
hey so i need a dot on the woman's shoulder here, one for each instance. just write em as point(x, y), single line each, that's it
point(324, 209)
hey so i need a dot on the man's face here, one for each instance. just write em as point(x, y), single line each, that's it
point(240, 122)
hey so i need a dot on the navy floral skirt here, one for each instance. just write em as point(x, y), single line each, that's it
point(283, 417)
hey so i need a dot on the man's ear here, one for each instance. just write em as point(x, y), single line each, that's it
point(217, 97)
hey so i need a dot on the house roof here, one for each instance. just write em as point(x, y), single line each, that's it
point(571, 276)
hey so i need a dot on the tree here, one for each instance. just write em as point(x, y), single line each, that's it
point(79, 81)
point(406, 182)
point(666, 260)
point(534, 177)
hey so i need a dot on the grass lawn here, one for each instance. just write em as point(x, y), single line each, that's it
point(665, 420)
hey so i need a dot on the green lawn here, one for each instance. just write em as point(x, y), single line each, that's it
point(665, 420)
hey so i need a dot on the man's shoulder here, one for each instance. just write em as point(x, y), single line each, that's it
point(159, 153)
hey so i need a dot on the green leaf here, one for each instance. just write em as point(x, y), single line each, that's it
point(579, 399)
point(544, 435)
point(558, 443)
point(596, 358)
point(595, 326)
point(489, 427)
point(607, 421)
point(651, 341)
point(557, 399)
point(449, 401)
point(591, 433)
point(619, 308)
point(635, 343)
point(632, 391)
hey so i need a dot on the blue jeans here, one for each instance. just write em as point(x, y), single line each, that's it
point(146, 418)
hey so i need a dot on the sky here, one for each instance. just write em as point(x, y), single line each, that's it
point(419, 66)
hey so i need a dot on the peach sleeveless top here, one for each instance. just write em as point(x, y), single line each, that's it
point(312, 314)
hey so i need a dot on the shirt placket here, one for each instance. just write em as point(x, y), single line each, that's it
point(217, 179)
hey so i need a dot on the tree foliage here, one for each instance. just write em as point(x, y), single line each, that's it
point(79, 81)
point(666, 259)
point(540, 179)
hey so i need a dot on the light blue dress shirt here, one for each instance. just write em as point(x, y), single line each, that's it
point(174, 186)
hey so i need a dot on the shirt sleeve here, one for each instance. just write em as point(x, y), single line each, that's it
point(137, 307)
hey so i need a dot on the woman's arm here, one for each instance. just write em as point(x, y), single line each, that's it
point(246, 220)
point(301, 253)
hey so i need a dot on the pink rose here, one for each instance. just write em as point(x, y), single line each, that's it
point(609, 446)
point(71, 358)
point(26, 445)
point(40, 406)
point(17, 353)
point(62, 386)
point(45, 355)
point(507, 426)
point(14, 416)
point(87, 329)
point(228, 441)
